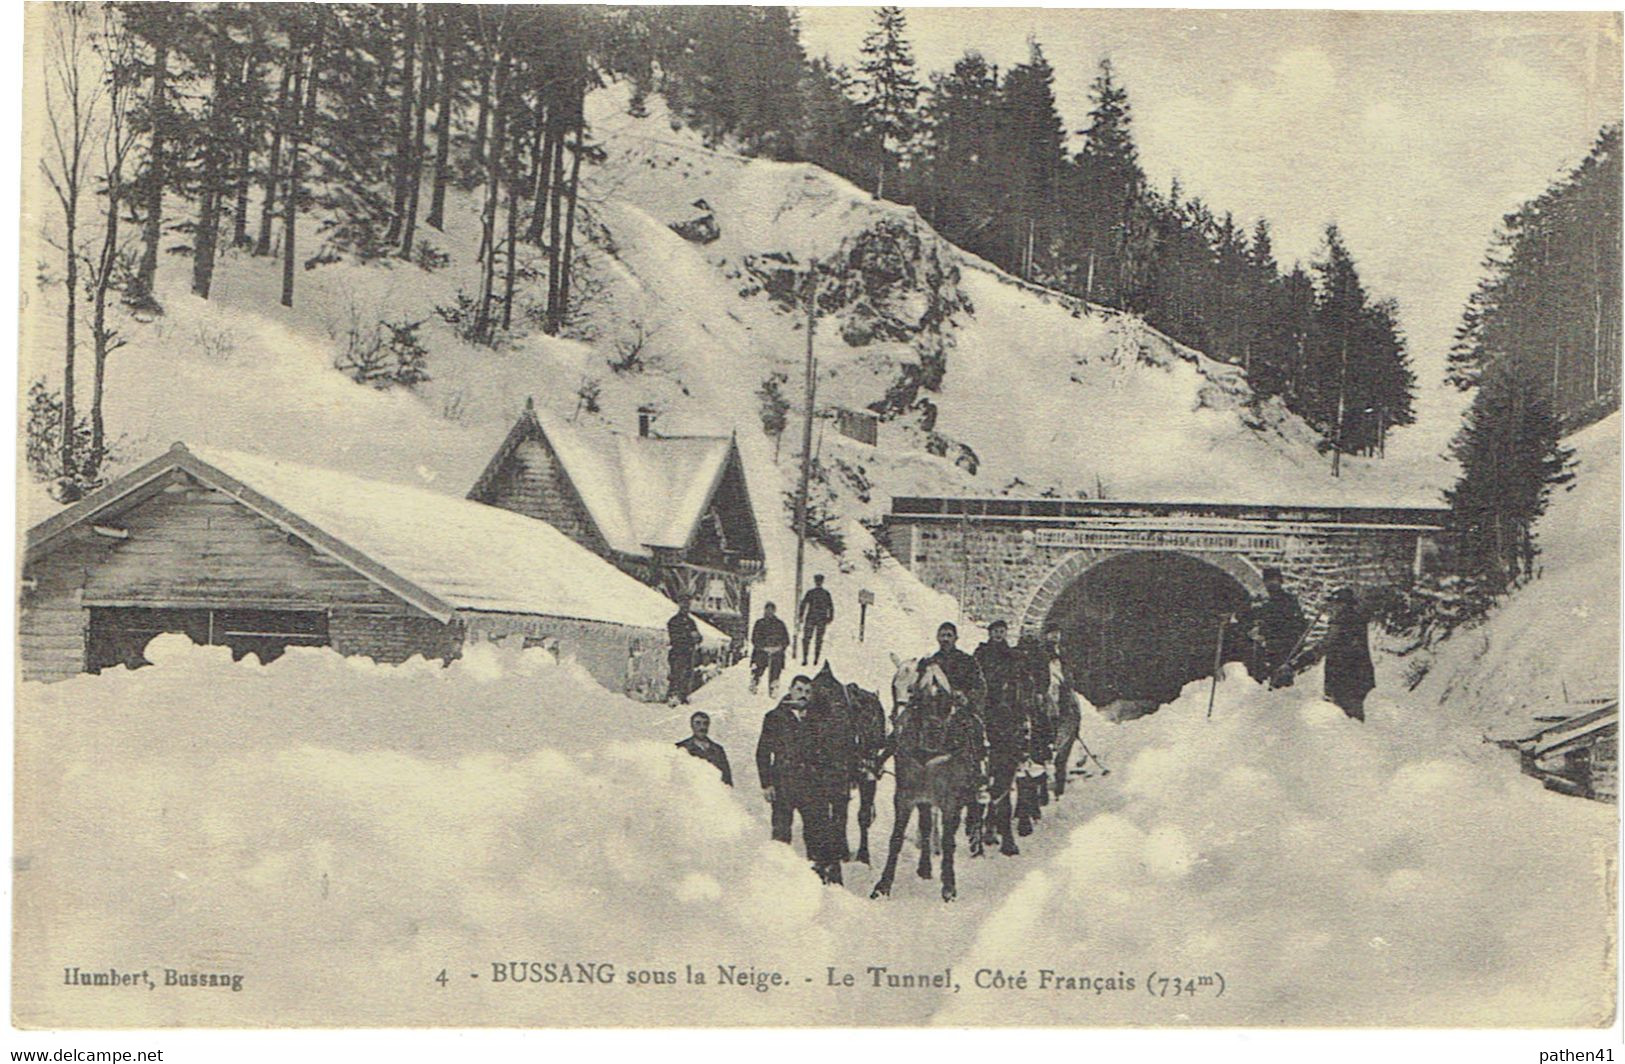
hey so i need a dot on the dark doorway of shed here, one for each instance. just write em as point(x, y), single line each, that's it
point(1139, 626)
point(119, 634)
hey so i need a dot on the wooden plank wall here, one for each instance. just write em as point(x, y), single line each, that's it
point(190, 545)
point(532, 482)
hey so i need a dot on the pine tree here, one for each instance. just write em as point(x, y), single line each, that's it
point(1109, 187)
point(833, 133)
point(1267, 339)
point(1358, 382)
point(157, 27)
point(891, 90)
point(961, 116)
point(1031, 152)
point(1550, 297)
point(1511, 457)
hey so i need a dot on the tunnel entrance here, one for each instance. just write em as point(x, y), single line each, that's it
point(1138, 626)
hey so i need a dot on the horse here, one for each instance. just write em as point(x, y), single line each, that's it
point(866, 720)
point(936, 745)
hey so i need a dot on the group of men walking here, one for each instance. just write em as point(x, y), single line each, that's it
point(1270, 635)
point(815, 750)
point(769, 639)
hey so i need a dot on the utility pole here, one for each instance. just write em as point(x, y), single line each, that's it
point(1337, 446)
point(806, 443)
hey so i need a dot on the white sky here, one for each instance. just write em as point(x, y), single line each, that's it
point(1416, 133)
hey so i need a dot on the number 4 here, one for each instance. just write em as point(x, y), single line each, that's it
point(441, 978)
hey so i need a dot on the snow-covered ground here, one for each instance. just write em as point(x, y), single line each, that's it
point(340, 831)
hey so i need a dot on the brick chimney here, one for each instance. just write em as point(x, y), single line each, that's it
point(646, 418)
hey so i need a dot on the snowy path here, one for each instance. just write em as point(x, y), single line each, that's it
point(506, 809)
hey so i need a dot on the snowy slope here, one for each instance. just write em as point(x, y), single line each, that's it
point(1555, 641)
point(1040, 386)
point(1046, 393)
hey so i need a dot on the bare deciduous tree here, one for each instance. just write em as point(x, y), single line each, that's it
point(72, 100)
point(117, 48)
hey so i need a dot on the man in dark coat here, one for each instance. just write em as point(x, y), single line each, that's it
point(817, 611)
point(769, 639)
point(837, 760)
point(684, 636)
point(958, 667)
point(1032, 785)
point(702, 746)
point(1347, 646)
point(790, 765)
point(965, 677)
point(1279, 623)
point(1001, 666)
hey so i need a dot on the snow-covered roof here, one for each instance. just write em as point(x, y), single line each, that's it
point(1573, 730)
point(442, 553)
point(642, 492)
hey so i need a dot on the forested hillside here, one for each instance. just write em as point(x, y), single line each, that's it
point(396, 189)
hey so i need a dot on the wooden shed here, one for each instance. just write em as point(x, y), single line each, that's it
point(260, 555)
point(1578, 755)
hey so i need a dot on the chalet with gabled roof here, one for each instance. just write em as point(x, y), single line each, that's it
point(672, 511)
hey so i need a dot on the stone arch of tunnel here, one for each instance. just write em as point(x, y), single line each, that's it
point(1138, 625)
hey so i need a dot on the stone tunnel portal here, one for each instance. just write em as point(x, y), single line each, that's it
point(1138, 626)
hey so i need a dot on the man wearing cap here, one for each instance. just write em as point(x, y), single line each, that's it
point(769, 640)
point(958, 667)
point(965, 677)
point(793, 765)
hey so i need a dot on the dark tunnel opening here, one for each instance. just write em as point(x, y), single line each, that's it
point(1137, 627)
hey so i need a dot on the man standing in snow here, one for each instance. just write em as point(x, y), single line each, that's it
point(817, 611)
point(1347, 646)
point(769, 639)
point(1032, 785)
point(1061, 700)
point(965, 677)
point(1279, 622)
point(787, 763)
point(700, 745)
point(684, 636)
point(837, 747)
point(1003, 718)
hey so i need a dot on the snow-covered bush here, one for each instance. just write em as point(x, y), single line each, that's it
point(383, 354)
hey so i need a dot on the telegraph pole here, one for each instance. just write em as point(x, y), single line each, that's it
point(1342, 379)
point(806, 444)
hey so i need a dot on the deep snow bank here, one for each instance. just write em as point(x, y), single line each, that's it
point(1554, 641)
point(341, 832)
